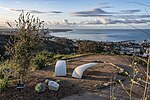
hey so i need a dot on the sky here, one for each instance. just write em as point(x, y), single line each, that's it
point(85, 14)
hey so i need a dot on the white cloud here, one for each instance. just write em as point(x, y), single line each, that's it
point(4, 8)
point(17, 2)
point(100, 21)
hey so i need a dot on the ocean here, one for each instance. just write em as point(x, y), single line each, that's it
point(113, 35)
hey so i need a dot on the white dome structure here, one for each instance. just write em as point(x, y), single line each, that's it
point(60, 68)
point(78, 72)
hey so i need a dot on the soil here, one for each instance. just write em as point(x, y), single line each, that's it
point(94, 85)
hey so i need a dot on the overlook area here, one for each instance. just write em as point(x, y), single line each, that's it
point(74, 50)
point(92, 85)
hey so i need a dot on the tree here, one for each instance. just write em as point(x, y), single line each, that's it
point(28, 42)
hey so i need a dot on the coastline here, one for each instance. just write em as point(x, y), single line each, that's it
point(63, 45)
point(105, 35)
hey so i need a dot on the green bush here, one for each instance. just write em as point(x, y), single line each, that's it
point(41, 59)
point(2, 72)
point(40, 87)
point(4, 83)
point(5, 70)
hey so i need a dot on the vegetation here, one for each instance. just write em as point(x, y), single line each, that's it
point(90, 47)
point(3, 41)
point(41, 59)
point(4, 83)
point(27, 43)
point(60, 45)
point(5, 74)
point(40, 87)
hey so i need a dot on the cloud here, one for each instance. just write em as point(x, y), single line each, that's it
point(4, 8)
point(130, 14)
point(17, 2)
point(31, 11)
point(36, 11)
point(56, 12)
point(64, 22)
point(93, 12)
point(133, 16)
point(17, 10)
point(99, 21)
point(130, 11)
point(127, 21)
point(99, 12)
point(96, 15)
point(106, 7)
point(91, 22)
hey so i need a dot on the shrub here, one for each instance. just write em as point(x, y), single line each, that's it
point(40, 87)
point(41, 59)
point(5, 70)
point(4, 83)
point(90, 47)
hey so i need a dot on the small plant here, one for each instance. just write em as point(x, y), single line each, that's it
point(4, 83)
point(40, 87)
point(41, 59)
point(132, 80)
point(5, 71)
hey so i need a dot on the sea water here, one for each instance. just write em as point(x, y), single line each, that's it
point(106, 34)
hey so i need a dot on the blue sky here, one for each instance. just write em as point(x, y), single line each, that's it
point(80, 13)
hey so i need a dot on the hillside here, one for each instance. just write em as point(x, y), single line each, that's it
point(93, 85)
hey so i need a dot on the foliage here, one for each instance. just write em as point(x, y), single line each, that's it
point(41, 59)
point(69, 56)
point(60, 46)
point(28, 41)
point(90, 47)
point(5, 73)
point(5, 70)
point(4, 83)
point(40, 87)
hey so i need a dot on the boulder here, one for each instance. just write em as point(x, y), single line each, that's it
point(53, 85)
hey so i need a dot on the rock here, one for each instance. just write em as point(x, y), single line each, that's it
point(40, 87)
point(53, 85)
